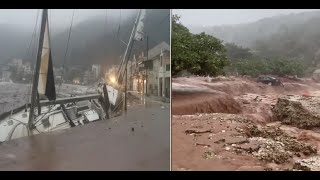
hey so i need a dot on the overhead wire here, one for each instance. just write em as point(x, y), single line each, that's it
point(33, 38)
point(67, 48)
point(65, 55)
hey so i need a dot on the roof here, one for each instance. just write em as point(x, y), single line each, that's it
point(157, 49)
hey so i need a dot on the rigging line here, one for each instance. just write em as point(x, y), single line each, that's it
point(118, 34)
point(33, 32)
point(32, 38)
point(68, 41)
point(106, 30)
point(119, 23)
point(44, 114)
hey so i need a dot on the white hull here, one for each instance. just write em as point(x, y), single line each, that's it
point(52, 118)
point(113, 94)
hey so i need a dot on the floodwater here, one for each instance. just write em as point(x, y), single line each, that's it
point(13, 95)
point(137, 140)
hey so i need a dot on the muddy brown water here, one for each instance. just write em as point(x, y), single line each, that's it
point(255, 101)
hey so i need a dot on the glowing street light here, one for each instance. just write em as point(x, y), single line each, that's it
point(112, 79)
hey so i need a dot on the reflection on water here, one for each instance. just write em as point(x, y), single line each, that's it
point(44, 150)
point(143, 100)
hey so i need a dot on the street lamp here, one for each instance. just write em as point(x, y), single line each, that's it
point(112, 79)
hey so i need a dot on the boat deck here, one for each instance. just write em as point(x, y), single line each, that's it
point(138, 140)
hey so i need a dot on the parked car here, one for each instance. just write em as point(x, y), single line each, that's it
point(269, 80)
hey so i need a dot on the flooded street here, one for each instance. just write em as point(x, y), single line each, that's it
point(137, 140)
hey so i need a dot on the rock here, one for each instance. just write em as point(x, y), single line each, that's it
point(208, 154)
point(220, 141)
point(299, 166)
point(299, 111)
point(309, 164)
point(191, 131)
point(297, 154)
point(250, 147)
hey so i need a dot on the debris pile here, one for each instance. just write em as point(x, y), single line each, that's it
point(273, 145)
point(131, 97)
point(272, 151)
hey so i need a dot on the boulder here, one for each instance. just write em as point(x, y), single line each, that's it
point(300, 111)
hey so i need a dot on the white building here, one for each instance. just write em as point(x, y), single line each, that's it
point(159, 72)
point(96, 68)
point(26, 68)
point(16, 63)
point(5, 76)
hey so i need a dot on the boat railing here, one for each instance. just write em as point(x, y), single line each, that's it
point(14, 128)
point(6, 114)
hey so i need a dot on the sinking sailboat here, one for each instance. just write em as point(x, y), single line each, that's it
point(48, 113)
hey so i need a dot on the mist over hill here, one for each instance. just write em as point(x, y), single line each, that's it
point(94, 40)
point(294, 35)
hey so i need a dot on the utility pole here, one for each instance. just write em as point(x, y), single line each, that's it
point(36, 73)
point(147, 62)
point(125, 91)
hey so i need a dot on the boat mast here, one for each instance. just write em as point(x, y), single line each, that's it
point(37, 68)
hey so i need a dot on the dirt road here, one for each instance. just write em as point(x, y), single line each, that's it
point(227, 124)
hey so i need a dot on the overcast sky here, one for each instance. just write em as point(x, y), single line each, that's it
point(210, 17)
point(59, 17)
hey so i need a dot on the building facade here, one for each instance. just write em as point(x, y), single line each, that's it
point(158, 71)
point(151, 75)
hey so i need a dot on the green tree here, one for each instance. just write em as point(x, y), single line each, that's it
point(274, 66)
point(200, 54)
point(235, 52)
point(183, 58)
point(211, 54)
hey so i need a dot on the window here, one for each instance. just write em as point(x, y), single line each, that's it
point(83, 108)
point(45, 122)
point(161, 60)
point(149, 65)
point(167, 67)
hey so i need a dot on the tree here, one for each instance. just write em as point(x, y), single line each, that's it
point(183, 58)
point(274, 66)
point(235, 52)
point(199, 54)
point(211, 54)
